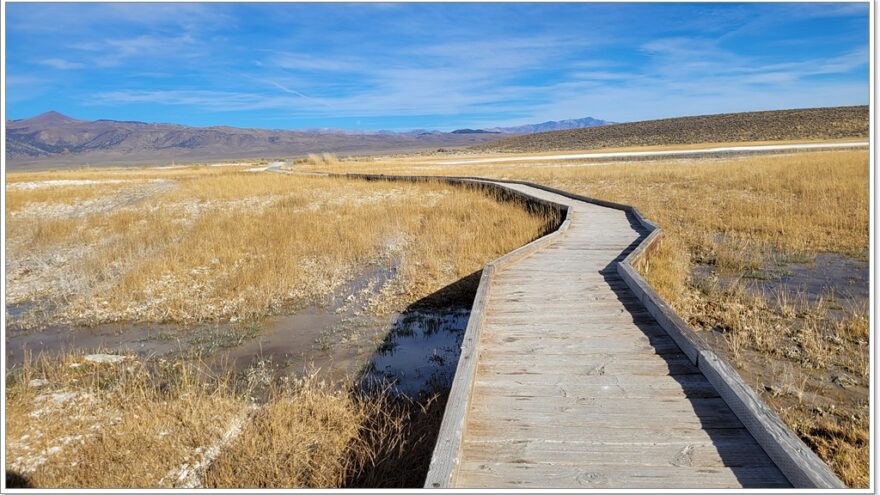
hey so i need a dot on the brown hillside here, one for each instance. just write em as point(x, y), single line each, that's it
point(778, 125)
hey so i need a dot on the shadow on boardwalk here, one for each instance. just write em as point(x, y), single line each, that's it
point(737, 451)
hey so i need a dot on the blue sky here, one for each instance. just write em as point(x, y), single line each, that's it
point(437, 66)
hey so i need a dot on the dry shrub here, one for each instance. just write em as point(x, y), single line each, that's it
point(663, 267)
point(148, 424)
point(113, 425)
point(318, 435)
point(396, 442)
point(855, 327)
point(322, 160)
point(329, 159)
point(299, 439)
point(843, 445)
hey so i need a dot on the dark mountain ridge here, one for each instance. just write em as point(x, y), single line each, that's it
point(52, 138)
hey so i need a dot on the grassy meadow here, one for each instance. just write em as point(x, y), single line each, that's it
point(192, 244)
point(185, 245)
point(200, 244)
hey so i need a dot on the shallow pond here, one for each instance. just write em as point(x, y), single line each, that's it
point(413, 351)
point(842, 280)
point(421, 352)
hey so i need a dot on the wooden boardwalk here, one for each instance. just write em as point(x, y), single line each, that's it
point(576, 385)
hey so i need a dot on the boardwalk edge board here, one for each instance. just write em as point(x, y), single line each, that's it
point(445, 458)
point(802, 467)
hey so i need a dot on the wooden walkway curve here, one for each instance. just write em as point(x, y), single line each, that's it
point(576, 385)
point(575, 373)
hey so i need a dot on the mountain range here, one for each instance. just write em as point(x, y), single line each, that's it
point(551, 125)
point(53, 139)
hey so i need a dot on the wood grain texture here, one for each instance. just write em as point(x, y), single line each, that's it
point(445, 459)
point(580, 377)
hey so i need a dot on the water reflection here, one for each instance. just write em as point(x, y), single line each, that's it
point(412, 351)
point(420, 353)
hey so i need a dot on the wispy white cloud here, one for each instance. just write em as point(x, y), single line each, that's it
point(23, 87)
point(680, 74)
point(602, 75)
point(203, 99)
point(305, 62)
point(786, 13)
point(696, 76)
point(689, 59)
point(74, 19)
point(60, 64)
point(113, 52)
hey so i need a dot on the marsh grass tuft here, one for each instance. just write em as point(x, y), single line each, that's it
point(170, 424)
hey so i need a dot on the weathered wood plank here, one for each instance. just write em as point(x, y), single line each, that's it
point(524, 475)
point(585, 365)
point(572, 345)
point(514, 332)
point(618, 317)
point(597, 386)
point(514, 412)
point(736, 452)
point(552, 351)
point(445, 460)
point(484, 430)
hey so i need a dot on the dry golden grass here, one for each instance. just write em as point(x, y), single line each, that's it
point(119, 173)
point(844, 445)
point(737, 216)
point(111, 425)
point(197, 243)
point(139, 424)
point(317, 435)
point(207, 245)
point(322, 160)
point(300, 439)
point(732, 214)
